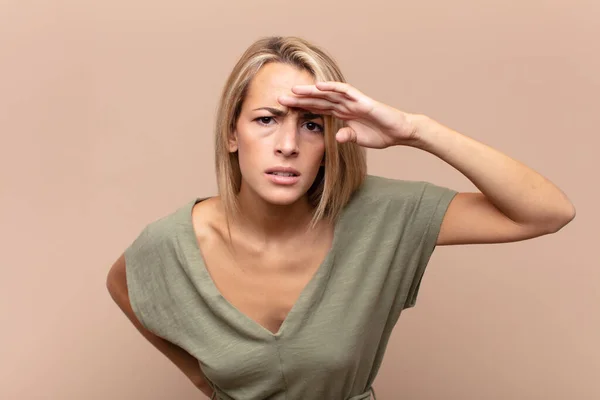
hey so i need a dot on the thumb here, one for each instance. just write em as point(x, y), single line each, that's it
point(346, 134)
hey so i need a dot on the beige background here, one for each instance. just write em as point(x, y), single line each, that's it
point(106, 113)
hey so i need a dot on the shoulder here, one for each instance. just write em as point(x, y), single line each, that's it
point(377, 186)
point(163, 228)
point(382, 190)
point(154, 267)
point(388, 205)
point(157, 249)
point(208, 219)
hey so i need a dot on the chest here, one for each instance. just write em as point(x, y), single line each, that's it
point(333, 330)
point(264, 285)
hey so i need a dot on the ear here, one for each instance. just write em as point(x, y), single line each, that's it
point(233, 142)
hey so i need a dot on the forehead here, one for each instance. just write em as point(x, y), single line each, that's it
point(276, 79)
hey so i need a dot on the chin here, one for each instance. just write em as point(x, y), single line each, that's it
point(279, 195)
point(285, 197)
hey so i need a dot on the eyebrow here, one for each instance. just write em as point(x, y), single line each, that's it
point(280, 113)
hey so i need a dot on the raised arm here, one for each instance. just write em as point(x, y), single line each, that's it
point(514, 202)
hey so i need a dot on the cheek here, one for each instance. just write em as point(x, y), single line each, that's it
point(249, 152)
point(320, 149)
point(317, 154)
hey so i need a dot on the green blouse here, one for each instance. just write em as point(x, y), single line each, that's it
point(332, 342)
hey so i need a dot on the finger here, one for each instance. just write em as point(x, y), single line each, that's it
point(309, 102)
point(312, 90)
point(337, 114)
point(326, 102)
point(340, 87)
point(339, 110)
point(346, 134)
point(321, 108)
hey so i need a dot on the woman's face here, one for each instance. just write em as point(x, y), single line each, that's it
point(280, 149)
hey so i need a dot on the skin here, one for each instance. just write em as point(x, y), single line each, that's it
point(270, 234)
point(264, 139)
point(514, 202)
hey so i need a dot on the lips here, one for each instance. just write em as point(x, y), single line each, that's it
point(283, 171)
point(283, 176)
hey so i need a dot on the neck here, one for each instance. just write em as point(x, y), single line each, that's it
point(271, 222)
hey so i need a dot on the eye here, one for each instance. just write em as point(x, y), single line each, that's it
point(314, 127)
point(264, 120)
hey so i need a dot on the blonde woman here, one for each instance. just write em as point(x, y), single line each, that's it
point(288, 283)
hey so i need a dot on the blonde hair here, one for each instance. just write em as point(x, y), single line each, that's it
point(345, 164)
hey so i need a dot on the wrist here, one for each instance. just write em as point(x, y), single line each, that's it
point(422, 129)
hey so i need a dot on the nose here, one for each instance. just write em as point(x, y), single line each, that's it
point(286, 143)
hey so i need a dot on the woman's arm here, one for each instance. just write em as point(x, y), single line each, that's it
point(116, 283)
point(515, 202)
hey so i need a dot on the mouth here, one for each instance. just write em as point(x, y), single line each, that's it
point(283, 176)
point(283, 171)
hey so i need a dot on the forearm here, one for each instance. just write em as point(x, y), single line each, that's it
point(183, 360)
point(187, 363)
point(520, 193)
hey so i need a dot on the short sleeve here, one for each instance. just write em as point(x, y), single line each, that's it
point(430, 203)
point(396, 223)
point(143, 267)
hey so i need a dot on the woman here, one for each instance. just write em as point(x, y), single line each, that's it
point(289, 283)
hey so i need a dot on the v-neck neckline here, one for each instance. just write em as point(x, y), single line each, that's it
point(300, 306)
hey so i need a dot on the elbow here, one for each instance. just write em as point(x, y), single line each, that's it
point(111, 282)
point(563, 219)
point(116, 280)
point(114, 289)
